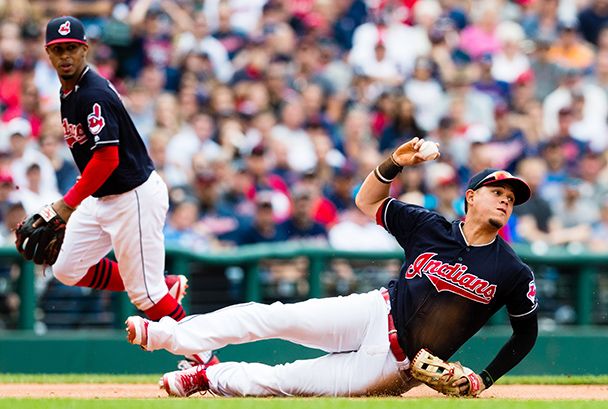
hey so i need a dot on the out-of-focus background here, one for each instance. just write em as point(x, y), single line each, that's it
point(264, 117)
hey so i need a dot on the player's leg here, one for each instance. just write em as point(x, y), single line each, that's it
point(135, 221)
point(80, 261)
point(85, 243)
point(371, 369)
point(365, 372)
point(331, 324)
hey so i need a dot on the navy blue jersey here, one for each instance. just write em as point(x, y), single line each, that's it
point(93, 116)
point(447, 290)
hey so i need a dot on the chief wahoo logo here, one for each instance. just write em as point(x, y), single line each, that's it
point(64, 29)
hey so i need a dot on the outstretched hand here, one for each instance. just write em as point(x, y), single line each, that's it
point(465, 386)
point(409, 153)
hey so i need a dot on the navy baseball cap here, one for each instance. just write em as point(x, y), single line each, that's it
point(65, 29)
point(493, 176)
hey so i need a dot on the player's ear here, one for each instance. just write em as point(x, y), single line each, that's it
point(469, 196)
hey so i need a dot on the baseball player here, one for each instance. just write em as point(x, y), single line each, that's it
point(456, 276)
point(120, 201)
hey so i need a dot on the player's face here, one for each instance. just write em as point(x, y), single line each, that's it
point(68, 59)
point(495, 203)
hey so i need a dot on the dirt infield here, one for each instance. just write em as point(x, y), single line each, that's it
point(545, 392)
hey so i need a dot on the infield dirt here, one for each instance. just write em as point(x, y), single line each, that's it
point(545, 392)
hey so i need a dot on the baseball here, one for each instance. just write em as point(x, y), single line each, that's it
point(429, 150)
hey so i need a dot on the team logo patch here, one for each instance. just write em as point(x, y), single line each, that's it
point(532, 292)
point(452, 278)
point(64, 29)
point(96, 122)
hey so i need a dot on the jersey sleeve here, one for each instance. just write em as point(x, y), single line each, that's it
point(522, 300)
point(100, 121)
point(402, 219)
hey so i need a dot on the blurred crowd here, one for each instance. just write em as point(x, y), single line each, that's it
point(264, 116)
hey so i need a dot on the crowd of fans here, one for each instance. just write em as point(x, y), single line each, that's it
point(264, 116)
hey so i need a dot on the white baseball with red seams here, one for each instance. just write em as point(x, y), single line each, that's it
point(353, 330)
point(429, 150)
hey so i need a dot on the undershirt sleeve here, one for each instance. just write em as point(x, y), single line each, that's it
point(103, 162)
point(525, 332)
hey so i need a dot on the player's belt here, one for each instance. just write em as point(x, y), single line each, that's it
point(396, 349)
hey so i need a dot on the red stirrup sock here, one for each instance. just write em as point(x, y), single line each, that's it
point(167, 306)
point(103, 276)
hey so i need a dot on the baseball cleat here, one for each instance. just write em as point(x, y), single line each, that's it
point(206, 359)
point(137, 331)
point(185, 383)
point(177, 285)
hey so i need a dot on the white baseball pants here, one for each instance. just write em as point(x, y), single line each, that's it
point(131, 223)
point(353, 330)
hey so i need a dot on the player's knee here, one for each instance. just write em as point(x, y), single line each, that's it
point(67, 273)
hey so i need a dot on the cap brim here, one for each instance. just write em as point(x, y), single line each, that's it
point(65, 40)
point(520, 188)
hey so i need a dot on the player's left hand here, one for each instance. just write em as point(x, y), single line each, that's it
point(63, 210)
point(40, 236)
point(465, 386)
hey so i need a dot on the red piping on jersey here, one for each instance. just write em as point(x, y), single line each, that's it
point(98, 170)
point(380, 213)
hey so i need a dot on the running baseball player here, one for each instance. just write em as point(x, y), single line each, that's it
point(120, 201)
point(456, 276)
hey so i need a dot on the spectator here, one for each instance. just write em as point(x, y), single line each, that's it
point(24, 154)
point(510, 62)
point(569, 51)
point(596, 102)
point(232, 37)
point(481, 37)
point(385, 27)
point(340, 190)
point(546, 73)
point(31, 195)
point(476, 107)
point(536, 220)
point(7, 194)
point(66, 171)
point(426, 94)
point(198, 38)
point(183, 231)
point(403, 126)
point(592, 19)
point(264, 228)
point(508, 143)
point(196, 137)
point(497, 89)
point(379, 68)
point(301, 226)
point(542, 20)
point(290, 132)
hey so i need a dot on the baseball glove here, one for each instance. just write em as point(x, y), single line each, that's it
point(440, 375)
point(40, 236)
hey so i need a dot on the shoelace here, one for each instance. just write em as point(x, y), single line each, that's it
point(191, 382)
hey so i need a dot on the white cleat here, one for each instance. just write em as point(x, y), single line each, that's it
point(185, 383)
point(177, 285)
point(137, 331)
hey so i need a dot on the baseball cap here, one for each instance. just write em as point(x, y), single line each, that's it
point(65, 29)
point(491, 176)
point(19, 126)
